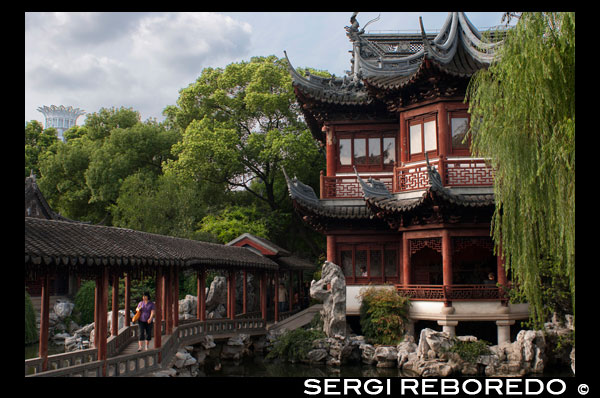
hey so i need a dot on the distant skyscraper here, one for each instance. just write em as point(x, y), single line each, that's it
point(60, 117)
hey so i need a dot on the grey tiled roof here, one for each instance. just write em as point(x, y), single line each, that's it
point(458, 49)
point(67, 244)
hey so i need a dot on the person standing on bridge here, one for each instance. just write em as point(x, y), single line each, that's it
point(145, 322)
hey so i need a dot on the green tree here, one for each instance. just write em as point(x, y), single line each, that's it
point(62, 180)
point(81, 178)
point(37, 141)
point(234, 221)
point(142, 147)
point(523, 119)
point(240, 126)
point(164, 204)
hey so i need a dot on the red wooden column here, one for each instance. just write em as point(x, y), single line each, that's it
point(168, 301)
point(330, 150)
point(446, 260)
point(501, 278)
point(406, 277)
point(403, 140)
point(175, 297)
point(244, 293)
point(331, 257)
point(444, 138)
point(201, 306)
point(44, 321)
point(290, 292)
point(263, 295)
point(101, 329)
point(231, 295)
point(127, 299)
point(114, 325)
point(158, 310)
point(276, 299)
point(300, 289)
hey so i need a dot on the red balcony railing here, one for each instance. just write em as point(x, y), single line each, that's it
point(454, 173)
point(452, 292)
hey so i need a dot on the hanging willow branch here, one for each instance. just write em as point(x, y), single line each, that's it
point(523, 119)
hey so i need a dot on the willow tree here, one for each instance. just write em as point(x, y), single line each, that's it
point(523, 119)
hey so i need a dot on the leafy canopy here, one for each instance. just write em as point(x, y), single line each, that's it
point(240, 126)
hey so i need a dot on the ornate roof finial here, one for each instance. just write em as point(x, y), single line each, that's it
point(354, 25)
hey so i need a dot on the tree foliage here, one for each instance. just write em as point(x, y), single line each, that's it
point(523, 119)
point(240, 125)
point(37, 142)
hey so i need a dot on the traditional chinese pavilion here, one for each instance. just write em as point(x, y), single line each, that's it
point(403, 202)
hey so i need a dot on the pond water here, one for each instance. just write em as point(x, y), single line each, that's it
point(257, 366)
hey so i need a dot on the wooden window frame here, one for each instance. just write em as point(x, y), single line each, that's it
point(355, 279)
point(421, 120)
point(367, 135)
point(459, 113)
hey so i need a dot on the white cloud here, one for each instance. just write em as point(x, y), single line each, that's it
point(121, 59)
point(142, 60)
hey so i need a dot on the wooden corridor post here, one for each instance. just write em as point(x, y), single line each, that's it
point(231, 295)
point(244, 293)
point(114, 324)
point(201, 305)
point(290, 291)
point(127, 298)
point(100, 316)
point(176, 297)
point(44, 321)
point(263, 295)
point(406, 277)
point(157, 311)
point(168, 301)
point(276, 300)
point(446, 261)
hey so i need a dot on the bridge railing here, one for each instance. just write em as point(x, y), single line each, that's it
point(85, 362)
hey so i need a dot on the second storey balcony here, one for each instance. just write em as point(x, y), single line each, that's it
point(454, 172)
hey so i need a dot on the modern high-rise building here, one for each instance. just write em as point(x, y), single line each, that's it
point(60, 117)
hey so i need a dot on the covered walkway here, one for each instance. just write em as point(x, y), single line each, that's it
point(57, 247)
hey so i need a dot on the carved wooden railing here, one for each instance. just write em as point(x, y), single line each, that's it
point(347, 187)
point(453, 172)
point(86, 363)
point(452, 292)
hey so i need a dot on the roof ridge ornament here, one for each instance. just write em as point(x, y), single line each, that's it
point(372, 188)
point(352, 30)
point(299, 190)
point(434, 177)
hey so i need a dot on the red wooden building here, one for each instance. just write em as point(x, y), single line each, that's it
point(402, 201)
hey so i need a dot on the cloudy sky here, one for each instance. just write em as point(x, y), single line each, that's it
point(142, 60)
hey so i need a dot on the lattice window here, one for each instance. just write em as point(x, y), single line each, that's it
point(415, 47)
point(462, 243)
point(432, 243)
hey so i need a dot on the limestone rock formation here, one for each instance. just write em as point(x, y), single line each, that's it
point(331, 290)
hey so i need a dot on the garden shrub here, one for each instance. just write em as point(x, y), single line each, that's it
point(383, 315)
point(470, 350)
point(84, 302)
point(295, 344)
